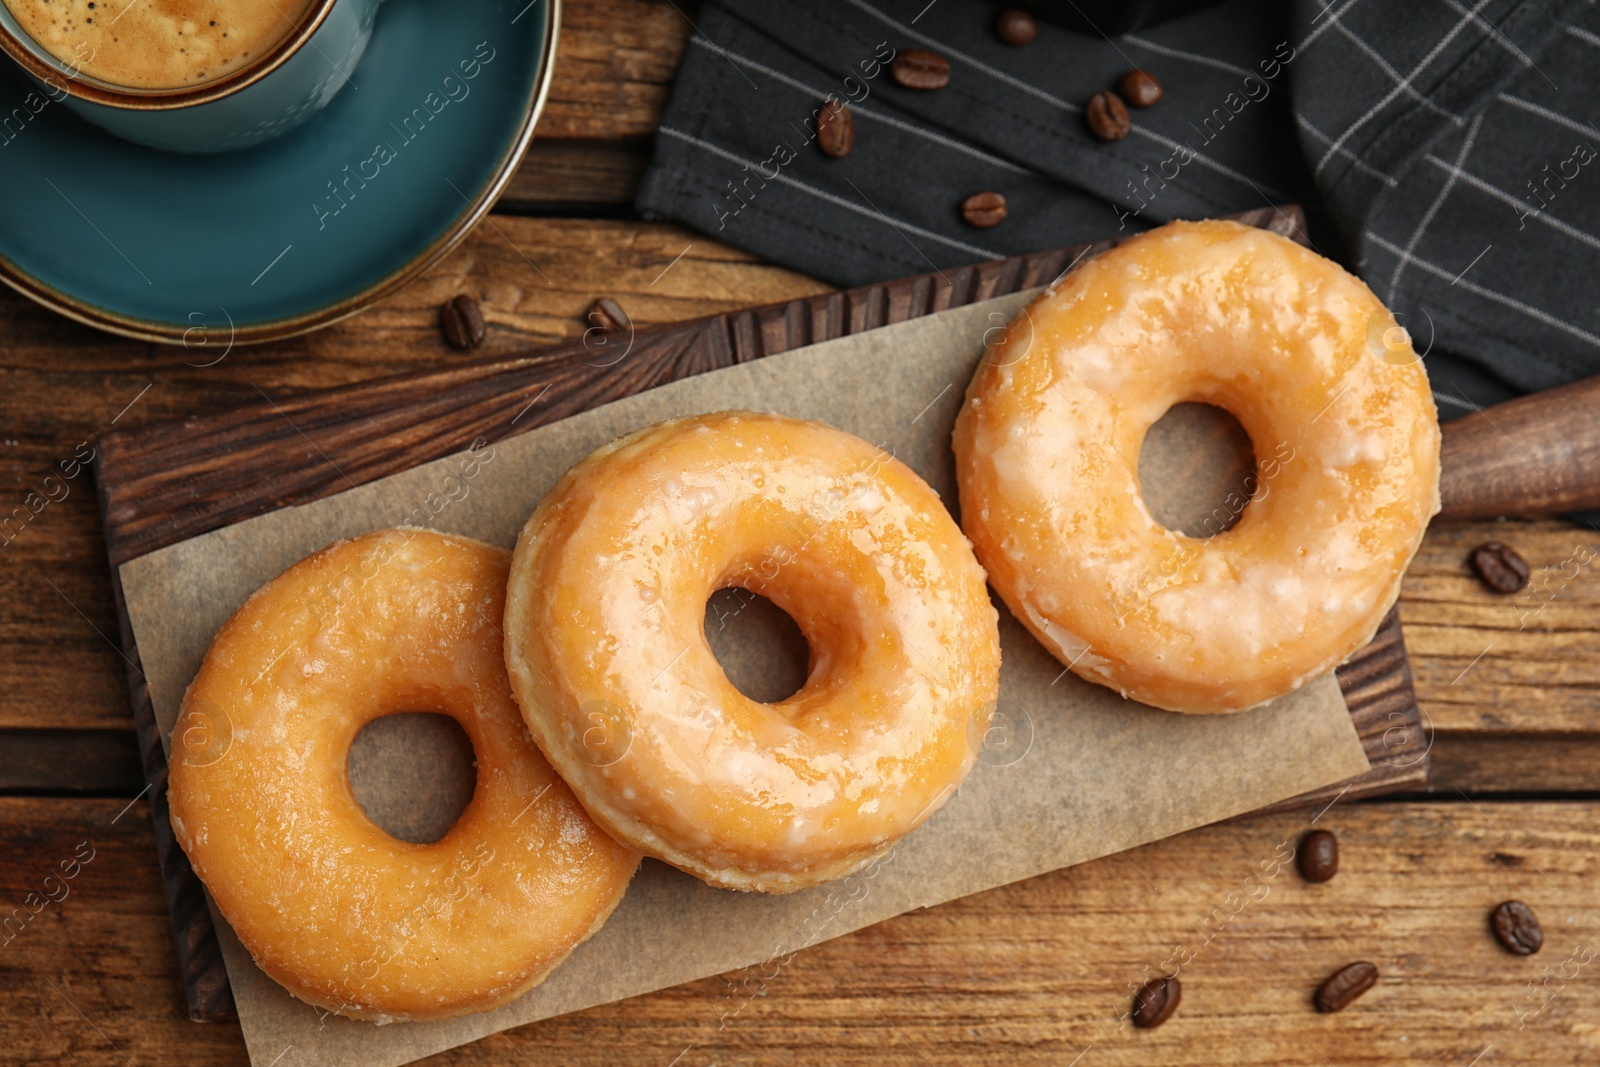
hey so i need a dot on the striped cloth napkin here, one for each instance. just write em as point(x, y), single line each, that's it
point(1445, 151)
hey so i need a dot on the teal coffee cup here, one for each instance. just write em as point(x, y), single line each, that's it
point(178, 85)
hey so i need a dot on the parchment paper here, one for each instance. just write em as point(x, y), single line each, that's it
point(1071, 771)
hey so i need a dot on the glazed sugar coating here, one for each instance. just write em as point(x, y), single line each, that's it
point(606, 646)
point(329, 905)
point(1339, 414)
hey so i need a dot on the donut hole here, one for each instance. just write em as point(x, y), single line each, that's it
point(759, 645)
point(413, 774)
point(1197, 470)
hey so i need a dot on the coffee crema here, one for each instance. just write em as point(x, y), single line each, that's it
point(157, 44)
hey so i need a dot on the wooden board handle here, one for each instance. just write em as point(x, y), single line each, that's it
point(1536, 455)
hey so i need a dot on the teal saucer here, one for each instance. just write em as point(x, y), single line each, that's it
point(293, 234)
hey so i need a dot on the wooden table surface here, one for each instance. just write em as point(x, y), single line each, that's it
point(1037, 972)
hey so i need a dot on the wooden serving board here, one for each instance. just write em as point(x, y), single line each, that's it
point(168, 482)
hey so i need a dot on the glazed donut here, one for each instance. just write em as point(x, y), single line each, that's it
point(337, 911)
point(1339, 413)
point(605, 642)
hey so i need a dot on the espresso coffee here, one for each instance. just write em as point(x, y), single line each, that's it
point(157, 44)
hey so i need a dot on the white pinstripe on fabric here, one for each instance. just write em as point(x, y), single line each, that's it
point(1203, 159)
point(1433, 208)
point(1583, 35)
point(1423, 64)
point(1394, 75)
point(1455, 402)
point(977, 64)
point(1031, 90)
point(1360, 164)
point(837, 201)
point(862, 112)
point(1311, 38)
point(1489, 294)
point(1492, 30)
point(1545, 113)
point(1500, 194)
point(1192, 57)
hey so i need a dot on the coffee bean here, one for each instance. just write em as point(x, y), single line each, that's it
point(984, 210)
point(836, 129)
point(1016, 27)
point(1501, 567)
point(608, 315)
point(1139, 88)
point(917, 68)
point(1517, 928)
point(1155, 1002)
point(1319, 856)
point(1344, 986)
point(461, 321)
point(1108, 117)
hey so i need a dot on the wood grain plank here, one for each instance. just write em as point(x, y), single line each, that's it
point(70, 761)
point(1528, 662)
point(1031, 973)
point(615, 63)
point(577, 176)
point(1484, 763)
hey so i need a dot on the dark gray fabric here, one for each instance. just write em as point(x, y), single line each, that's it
point(1444, 149)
